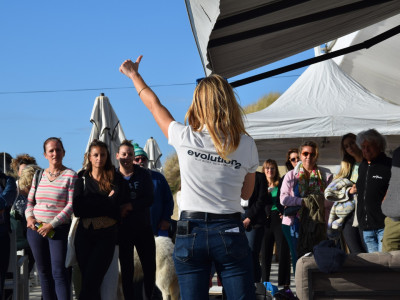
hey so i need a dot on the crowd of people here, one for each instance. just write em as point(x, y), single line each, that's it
point(355, 207)
point(116, 212)
point(230, 215)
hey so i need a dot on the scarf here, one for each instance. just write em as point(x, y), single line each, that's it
point(312, 185)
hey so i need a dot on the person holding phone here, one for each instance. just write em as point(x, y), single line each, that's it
point(218, 161)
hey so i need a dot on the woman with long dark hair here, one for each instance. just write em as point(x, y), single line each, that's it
point(99, 195)
point(292, 158)
point(352, 157)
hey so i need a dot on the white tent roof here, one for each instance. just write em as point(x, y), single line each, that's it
point(237, 36)
point(323, 103)
point(376, 68)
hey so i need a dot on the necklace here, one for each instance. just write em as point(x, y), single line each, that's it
point(55, 174)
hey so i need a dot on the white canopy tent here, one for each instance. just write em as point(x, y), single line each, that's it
point(234, 37)
point(322, 105)
point(376, 68)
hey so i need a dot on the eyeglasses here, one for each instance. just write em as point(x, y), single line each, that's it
point(312, 154)
point(293, 159)
point(270, 168)
point(140, 158)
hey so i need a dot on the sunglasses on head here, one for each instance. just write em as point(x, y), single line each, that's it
point(312, 154)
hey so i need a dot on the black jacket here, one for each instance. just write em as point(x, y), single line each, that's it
point(256, 210)
point(372, 184)
point(90, 202)
point(141, 197)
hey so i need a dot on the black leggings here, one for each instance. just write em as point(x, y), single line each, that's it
point(143, 240)
point(4, 258)
point(272, 234)
point(94, 252)
point(353, 236)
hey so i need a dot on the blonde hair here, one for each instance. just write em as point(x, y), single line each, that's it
point(345, 170)
point(215, 106)
point(25, 181)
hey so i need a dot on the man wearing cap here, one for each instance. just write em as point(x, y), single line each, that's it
point(163, 205)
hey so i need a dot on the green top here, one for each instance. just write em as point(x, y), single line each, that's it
point(274, 195)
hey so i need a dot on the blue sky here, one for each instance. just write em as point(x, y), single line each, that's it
point(65, 45)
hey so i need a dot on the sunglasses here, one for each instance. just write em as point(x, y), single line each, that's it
point(270, 168)
point(293, 159)
point(140, 158)
point(312, 154)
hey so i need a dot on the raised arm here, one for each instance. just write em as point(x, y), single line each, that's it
point(149, 98)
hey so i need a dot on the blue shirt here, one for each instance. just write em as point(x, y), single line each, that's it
point(163, 205)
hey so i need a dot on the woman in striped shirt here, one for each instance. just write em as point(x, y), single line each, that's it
point(50, 204)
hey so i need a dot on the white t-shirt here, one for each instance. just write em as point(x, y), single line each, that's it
point(209, 183)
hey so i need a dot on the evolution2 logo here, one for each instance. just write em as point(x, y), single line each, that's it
point(377, 177)
point(214, 159)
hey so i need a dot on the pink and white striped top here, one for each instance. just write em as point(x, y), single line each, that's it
point(53, 199)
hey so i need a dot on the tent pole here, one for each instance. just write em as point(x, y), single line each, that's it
point(366, 44)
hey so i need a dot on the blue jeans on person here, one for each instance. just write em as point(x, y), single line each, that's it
point(49, 254)
point(373, 239)
point(291, 234)
point(222, 242)
point(256, 237)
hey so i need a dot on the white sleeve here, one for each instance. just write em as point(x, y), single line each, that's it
point(175, 130)
point(253, 157)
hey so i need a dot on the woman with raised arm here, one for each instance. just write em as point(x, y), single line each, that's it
point(218, 161)
point(48, 217)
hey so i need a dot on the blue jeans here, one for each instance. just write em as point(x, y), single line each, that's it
point(291, 234)
point(222, 242)
point(49, 254)
point(373, 239)
point(256, 237)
